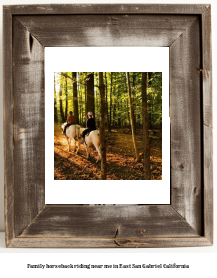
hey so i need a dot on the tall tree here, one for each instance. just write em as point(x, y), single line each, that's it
point(102, 127)
point(61, 106)
point(106, 96)
point(90, 93)
point(128, 113)
point(66, 94)
point(75, 97)
point(110, 113)
point(86, 99)
point(113, 102)
point(133, 100)
point(55, 103)
point(131, 118)
point(147, 171)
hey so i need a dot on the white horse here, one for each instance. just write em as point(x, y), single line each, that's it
point(92, 138)
point(73, 133)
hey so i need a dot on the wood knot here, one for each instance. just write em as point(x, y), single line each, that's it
point(195, 190)
point(142, 232)
point(116, 243)
point(30, 42)
point(116, 233)
point(114, 21)
point(181, 166)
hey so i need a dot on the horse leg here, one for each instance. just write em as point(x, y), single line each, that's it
point(68, 142)
point(74, 145)
point(79, 141)
point(87, 149)
point(99, 154)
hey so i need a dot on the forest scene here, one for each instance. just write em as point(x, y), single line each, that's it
point(112, 123)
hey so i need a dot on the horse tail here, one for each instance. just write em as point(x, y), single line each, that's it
point(78, 132)
point(99, 138)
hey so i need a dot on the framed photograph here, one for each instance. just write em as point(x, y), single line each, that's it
point(67, 164)
point(135, 82)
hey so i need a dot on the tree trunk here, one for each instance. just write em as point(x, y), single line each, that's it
point(55, 103)
point(75, 97)
point(55, 111)
point(118, 119)
point(66, 107)
point(149, 77)
point(106, 93)
point(110, 120)
point(147, 171)
point(61, 107)
point(114, 115)
point(128, 113)
point(151, 116)
point(85, 99)
point(90, 94)
point(133, 101)
point(131, 118)
point(114, 105)
point(102, 126)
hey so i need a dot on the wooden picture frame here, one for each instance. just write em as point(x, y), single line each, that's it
point(188, 220)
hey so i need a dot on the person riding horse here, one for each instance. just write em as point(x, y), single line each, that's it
point(70, 121)
point(90, 124)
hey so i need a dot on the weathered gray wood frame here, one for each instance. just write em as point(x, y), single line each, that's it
point(186, 29)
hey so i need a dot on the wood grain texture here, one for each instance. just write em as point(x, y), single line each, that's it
point(207, 123)
point(31, 224)
point(109, 222)
point(107, 30)
point(29, 132)
point(208, 182)
point(106, 9)
point(185, 113)
point(207, 67)
point(8, 127)
point(108, 243)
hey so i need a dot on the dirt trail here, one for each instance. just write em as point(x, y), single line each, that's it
point(121, 164)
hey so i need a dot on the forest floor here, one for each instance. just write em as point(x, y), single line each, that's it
point(121, 164)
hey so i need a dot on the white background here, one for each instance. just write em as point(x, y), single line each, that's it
point(140, 59)
point(202, 259)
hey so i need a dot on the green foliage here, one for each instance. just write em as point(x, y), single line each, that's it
point(117, 97)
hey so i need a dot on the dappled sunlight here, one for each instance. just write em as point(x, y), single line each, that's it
point(121, 103)
point(121, 164)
